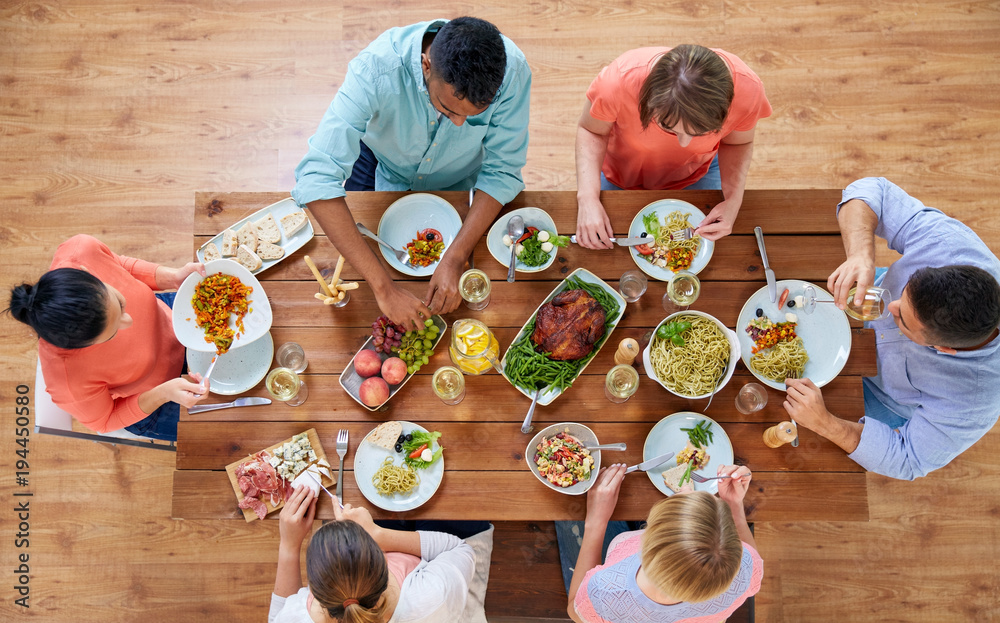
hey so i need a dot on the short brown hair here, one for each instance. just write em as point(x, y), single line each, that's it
point(691, 550)
point(344, 562)
point(689, 84)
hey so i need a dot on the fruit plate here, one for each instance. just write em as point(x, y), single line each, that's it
point(585, 275)
point(350, 380)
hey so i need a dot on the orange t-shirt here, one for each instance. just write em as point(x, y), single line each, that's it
point(652, 159)
point(100, 384)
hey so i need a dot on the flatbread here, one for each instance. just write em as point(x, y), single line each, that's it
point(386, 434)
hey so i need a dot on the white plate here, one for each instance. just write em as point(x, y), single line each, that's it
point(581, 432)
point(289, 244)
point(584, 275)
point(535, 217)
point(826, 333)
point(238, 370)
point(408, 215)
point(370, 457)
point(663, 207)
point(256, 323)
point(667, 436)
point(734, 352)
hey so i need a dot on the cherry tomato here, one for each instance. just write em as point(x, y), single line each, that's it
point(644, 249)
point(528, 233)
point(416, 453)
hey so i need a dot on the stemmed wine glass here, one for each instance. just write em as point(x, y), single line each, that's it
point(874, 305)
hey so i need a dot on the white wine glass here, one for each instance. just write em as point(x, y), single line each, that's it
point(874, 305)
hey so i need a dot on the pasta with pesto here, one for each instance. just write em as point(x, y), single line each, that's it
point(781, 360)
point(695, 368)
point(391, 478)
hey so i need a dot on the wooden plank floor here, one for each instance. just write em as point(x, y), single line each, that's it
point(113, 113)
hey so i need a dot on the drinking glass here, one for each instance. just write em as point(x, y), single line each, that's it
point(873, 306)
point(751, 397)
point(449, 385)
point(286, 386)
point(621, 382)
point(474, 286)
point(632, 285)
point(682, 290)
point(290, 355)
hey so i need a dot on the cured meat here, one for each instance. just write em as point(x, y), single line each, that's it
point(247, 487)
point(255, 505)
point(569, 325)
point(258, 480)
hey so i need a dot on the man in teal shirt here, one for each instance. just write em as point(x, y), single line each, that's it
point(441, 105)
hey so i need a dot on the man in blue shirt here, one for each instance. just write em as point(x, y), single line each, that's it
point(937, 391)
point(440, 105)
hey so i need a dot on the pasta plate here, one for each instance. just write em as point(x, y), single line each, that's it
point(370, 457)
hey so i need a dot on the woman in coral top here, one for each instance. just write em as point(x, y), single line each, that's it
point(662, 119)
point(696, 561)
point(106, 343)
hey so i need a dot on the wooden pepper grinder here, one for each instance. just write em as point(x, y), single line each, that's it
point(779, 434)
point(627, 351)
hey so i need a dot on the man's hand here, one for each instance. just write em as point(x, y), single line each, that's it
point(442, 292)
point(404, 308)
point(859, 269)
point(804, 403)
point(593, 227)
point(603, 496)
point(719, 222)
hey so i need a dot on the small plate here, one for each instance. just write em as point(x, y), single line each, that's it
point(256, 323)
point(663, 207)
point(290, 244)
point(667, 436)
point(410, 214)
point(731, 337)
point(351, 380)
point(238, 370)
point(534, 217)
point(826, 333)
point(581, 432)
point(369, 457)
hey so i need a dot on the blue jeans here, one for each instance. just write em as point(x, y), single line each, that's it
point(712, 180)
point(569, 534)
point(161, 423)
point(875, 409)
point(363, 173)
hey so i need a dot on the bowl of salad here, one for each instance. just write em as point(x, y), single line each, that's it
point(536, 249)
point(558, 458)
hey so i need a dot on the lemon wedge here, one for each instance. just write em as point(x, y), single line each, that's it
point(465, 330)
point(475, 334)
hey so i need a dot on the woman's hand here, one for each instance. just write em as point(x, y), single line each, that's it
point(172, 278)
point(359, 515)
point(593, 227)
point(733, 490)
point(603, 496)
point(296, 518)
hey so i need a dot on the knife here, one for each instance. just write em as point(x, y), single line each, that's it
point(645, 466)
point(623, 242)
point(239, 402)
point(772, 286)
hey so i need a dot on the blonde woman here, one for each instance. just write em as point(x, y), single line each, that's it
point(696, 561)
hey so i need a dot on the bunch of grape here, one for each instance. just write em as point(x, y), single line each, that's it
point(387, 334)
point(417, 347)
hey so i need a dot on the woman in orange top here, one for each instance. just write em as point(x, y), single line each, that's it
point(106, 343)
point(661, 118)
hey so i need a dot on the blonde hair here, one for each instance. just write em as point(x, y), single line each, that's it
point(344, 564)
point(689, 84)
point(691, 550)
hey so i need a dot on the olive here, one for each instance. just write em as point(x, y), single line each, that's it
point(429, 236)
point(409, 437)
point(760, 312)
point(401, 439)
point(791, 302)
point(643, 235)
point(399, 447)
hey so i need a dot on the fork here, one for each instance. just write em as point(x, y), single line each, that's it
point(793, 374)
point(682, 234)
point(695, 476)
point(341, 452)
point(402, 256)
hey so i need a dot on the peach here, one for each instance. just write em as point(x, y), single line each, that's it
point(393, 370)
point(367, 363)
point(374, 391)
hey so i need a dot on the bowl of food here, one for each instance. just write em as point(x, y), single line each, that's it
point(537, 247)
point(691, 354)
point(558, 458)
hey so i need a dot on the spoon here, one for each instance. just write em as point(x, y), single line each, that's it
point(515, 229)
point(526, 427)
point(608, 446)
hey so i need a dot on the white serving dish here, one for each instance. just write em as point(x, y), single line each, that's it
point(734, 352)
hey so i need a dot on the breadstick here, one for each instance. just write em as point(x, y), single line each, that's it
point(319, 277)
point(336, 272)
point(348, 286)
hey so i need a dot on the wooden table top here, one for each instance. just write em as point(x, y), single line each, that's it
point(486, 476)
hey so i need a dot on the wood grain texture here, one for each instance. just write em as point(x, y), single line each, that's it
point(113, 114)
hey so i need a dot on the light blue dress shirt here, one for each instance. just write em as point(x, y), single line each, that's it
point(948, 402)
point(384, 100)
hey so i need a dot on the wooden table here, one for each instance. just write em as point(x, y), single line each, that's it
point(486, 476)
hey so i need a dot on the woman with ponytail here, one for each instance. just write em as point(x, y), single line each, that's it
point(105, 339)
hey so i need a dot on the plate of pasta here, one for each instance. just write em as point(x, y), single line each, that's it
point(383, 475)
point(691, 354)
point(775, 342)
point(661, 259)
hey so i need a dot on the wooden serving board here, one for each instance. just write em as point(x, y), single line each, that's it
point(248, 514)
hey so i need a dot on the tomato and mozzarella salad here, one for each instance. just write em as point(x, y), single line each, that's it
point(562, 460)
point(535, 246)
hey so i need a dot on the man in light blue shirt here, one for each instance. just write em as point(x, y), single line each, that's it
point(937, 391)
point(440, 105)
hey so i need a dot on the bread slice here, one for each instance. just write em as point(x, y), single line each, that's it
point(212, 252)
point(248, 236)
point(672, 477)
point(229, 243)
point(246, 256)
point(386, 434)
point(267, 230)
point(268, 251)
point(292, 223)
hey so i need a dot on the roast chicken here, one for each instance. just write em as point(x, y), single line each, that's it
point(569, 325)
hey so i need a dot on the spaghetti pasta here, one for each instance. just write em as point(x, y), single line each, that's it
point(777, 362)
point(666, 252)
point(695, 368)
point(390, 479)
